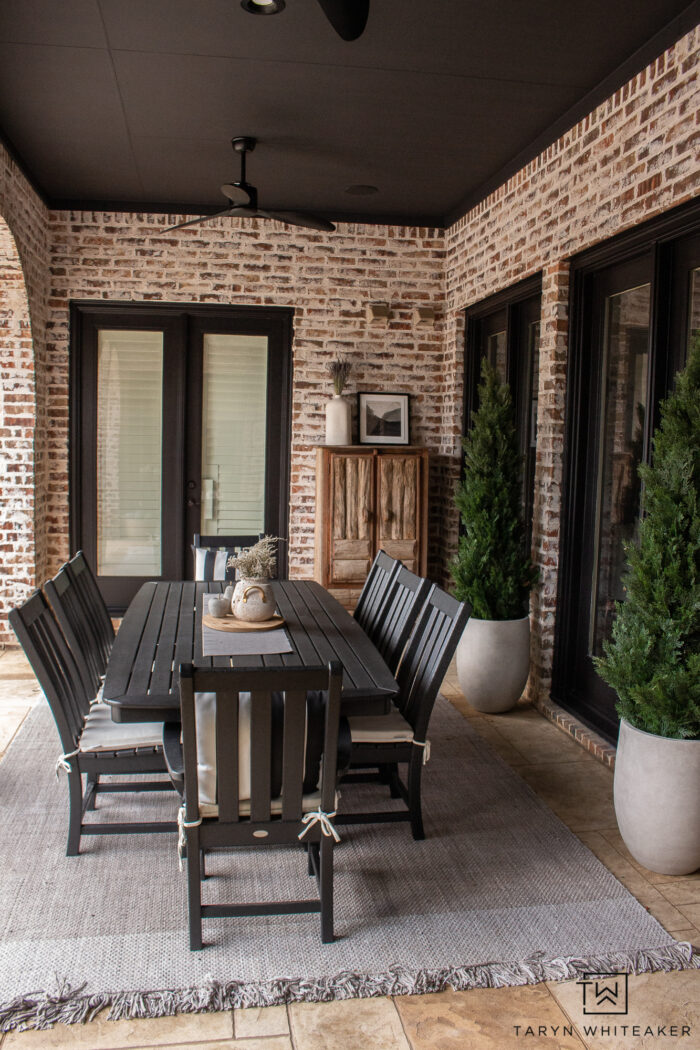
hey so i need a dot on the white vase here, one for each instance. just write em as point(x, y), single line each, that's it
point(657, 800)
point(253, 600)
point(338, 421)
point(493, 663)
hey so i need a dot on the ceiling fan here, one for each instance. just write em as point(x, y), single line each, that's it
point(244, 201)
point(348, 17)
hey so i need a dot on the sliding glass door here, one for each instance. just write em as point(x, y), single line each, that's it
point(180, 425)
point(636, 307)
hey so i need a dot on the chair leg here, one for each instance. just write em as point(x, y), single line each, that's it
point(194, 890)
point(310, 859)
point(326, 889)
point(394, 781)
point(202, 865)
point(75, 819)
point(93, 780)
point(415, 768)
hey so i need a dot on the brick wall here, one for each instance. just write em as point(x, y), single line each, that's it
point(327, 278)
point(634, 157)
point(23, 473)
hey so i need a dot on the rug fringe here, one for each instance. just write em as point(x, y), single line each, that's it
point(66, 1005)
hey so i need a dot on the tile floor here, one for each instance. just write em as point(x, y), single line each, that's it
point(579, 790)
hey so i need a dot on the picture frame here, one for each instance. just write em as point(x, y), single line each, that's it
point(383, 418)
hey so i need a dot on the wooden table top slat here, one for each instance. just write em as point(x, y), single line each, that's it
point(162, 629)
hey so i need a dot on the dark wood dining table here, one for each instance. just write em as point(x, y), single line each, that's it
point(162, 628)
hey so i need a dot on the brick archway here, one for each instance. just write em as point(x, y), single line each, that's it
point(17, 435)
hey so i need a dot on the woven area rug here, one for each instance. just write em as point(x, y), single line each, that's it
point(500, 893)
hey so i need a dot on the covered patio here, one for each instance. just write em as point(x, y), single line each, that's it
point(497, 191)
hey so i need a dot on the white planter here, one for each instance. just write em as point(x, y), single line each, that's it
point(657, 800)
point(253, 600)
point(493, 662)
point(338, 421)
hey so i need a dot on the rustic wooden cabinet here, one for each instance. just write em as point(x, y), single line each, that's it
point(368, 499)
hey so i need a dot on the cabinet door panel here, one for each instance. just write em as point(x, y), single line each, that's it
point(351, 518)
point(398, 499)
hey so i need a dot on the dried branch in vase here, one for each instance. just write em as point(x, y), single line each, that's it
point(339, 371)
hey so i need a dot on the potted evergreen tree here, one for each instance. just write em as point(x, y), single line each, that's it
point(492, 569)
point(653, 657)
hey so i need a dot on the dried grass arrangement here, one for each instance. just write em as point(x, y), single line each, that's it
point(259, 562)
point(339, 371)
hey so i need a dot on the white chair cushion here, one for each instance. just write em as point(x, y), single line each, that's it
point(102, 734)
point(205, 717)
point(308, 803)
point(380, 729)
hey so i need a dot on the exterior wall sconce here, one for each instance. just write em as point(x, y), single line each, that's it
point(424, 315)
point(378, 313)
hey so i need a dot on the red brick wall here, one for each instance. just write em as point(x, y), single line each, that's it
point(327, 278)
point(23, 477)
point(634, 157)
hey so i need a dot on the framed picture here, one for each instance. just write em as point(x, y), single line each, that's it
point(383, 418)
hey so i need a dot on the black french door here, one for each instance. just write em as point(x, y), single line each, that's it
point(180, 424)
point(635, 308)
point(505, 329)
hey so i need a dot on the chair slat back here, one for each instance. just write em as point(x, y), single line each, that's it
point(263, 684)
point(78, 628)
point(382, 572)
point(90, 594)
point(47, 651)
point(430, 648)
point(405, 597)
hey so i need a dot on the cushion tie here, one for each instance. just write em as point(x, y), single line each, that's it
point(63, 763)
point(317, 816)
point(181, 838)
point(425, 744)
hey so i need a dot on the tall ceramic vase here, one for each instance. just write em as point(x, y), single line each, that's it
point(338, 431)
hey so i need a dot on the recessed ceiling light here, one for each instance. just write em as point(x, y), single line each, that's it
point(361, 190)
point(263, 7)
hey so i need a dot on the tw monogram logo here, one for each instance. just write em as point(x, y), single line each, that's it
point(604, 993)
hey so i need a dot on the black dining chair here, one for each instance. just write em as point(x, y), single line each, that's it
point(93, 602)
point(382, 571)
point(92, 743)
point(79, 628)
point(211, 555)
point(384, 742)
point(398, 614)
point(258, 789)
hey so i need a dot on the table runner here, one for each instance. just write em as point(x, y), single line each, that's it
point(254, 643)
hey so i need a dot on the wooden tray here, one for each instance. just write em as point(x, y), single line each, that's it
point(232, 623)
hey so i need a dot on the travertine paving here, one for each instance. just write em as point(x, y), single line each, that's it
point(661, 1007)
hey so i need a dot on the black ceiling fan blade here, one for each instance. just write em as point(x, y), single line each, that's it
point(348, 17)
point(299, 218)
point(201, 218)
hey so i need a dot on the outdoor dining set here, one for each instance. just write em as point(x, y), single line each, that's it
point(261, 749)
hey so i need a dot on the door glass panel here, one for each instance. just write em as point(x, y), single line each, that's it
point(496, 352)
point(129, 452)
point(626, 364)
point(234, 427)
point(533, 338)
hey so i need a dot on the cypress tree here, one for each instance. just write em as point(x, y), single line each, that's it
point(492, 569)
point(652, 659)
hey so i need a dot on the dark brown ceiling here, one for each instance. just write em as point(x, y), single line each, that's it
point(134, 102)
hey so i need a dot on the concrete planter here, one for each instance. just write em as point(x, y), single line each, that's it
point(657, 800)
point(493, 662)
